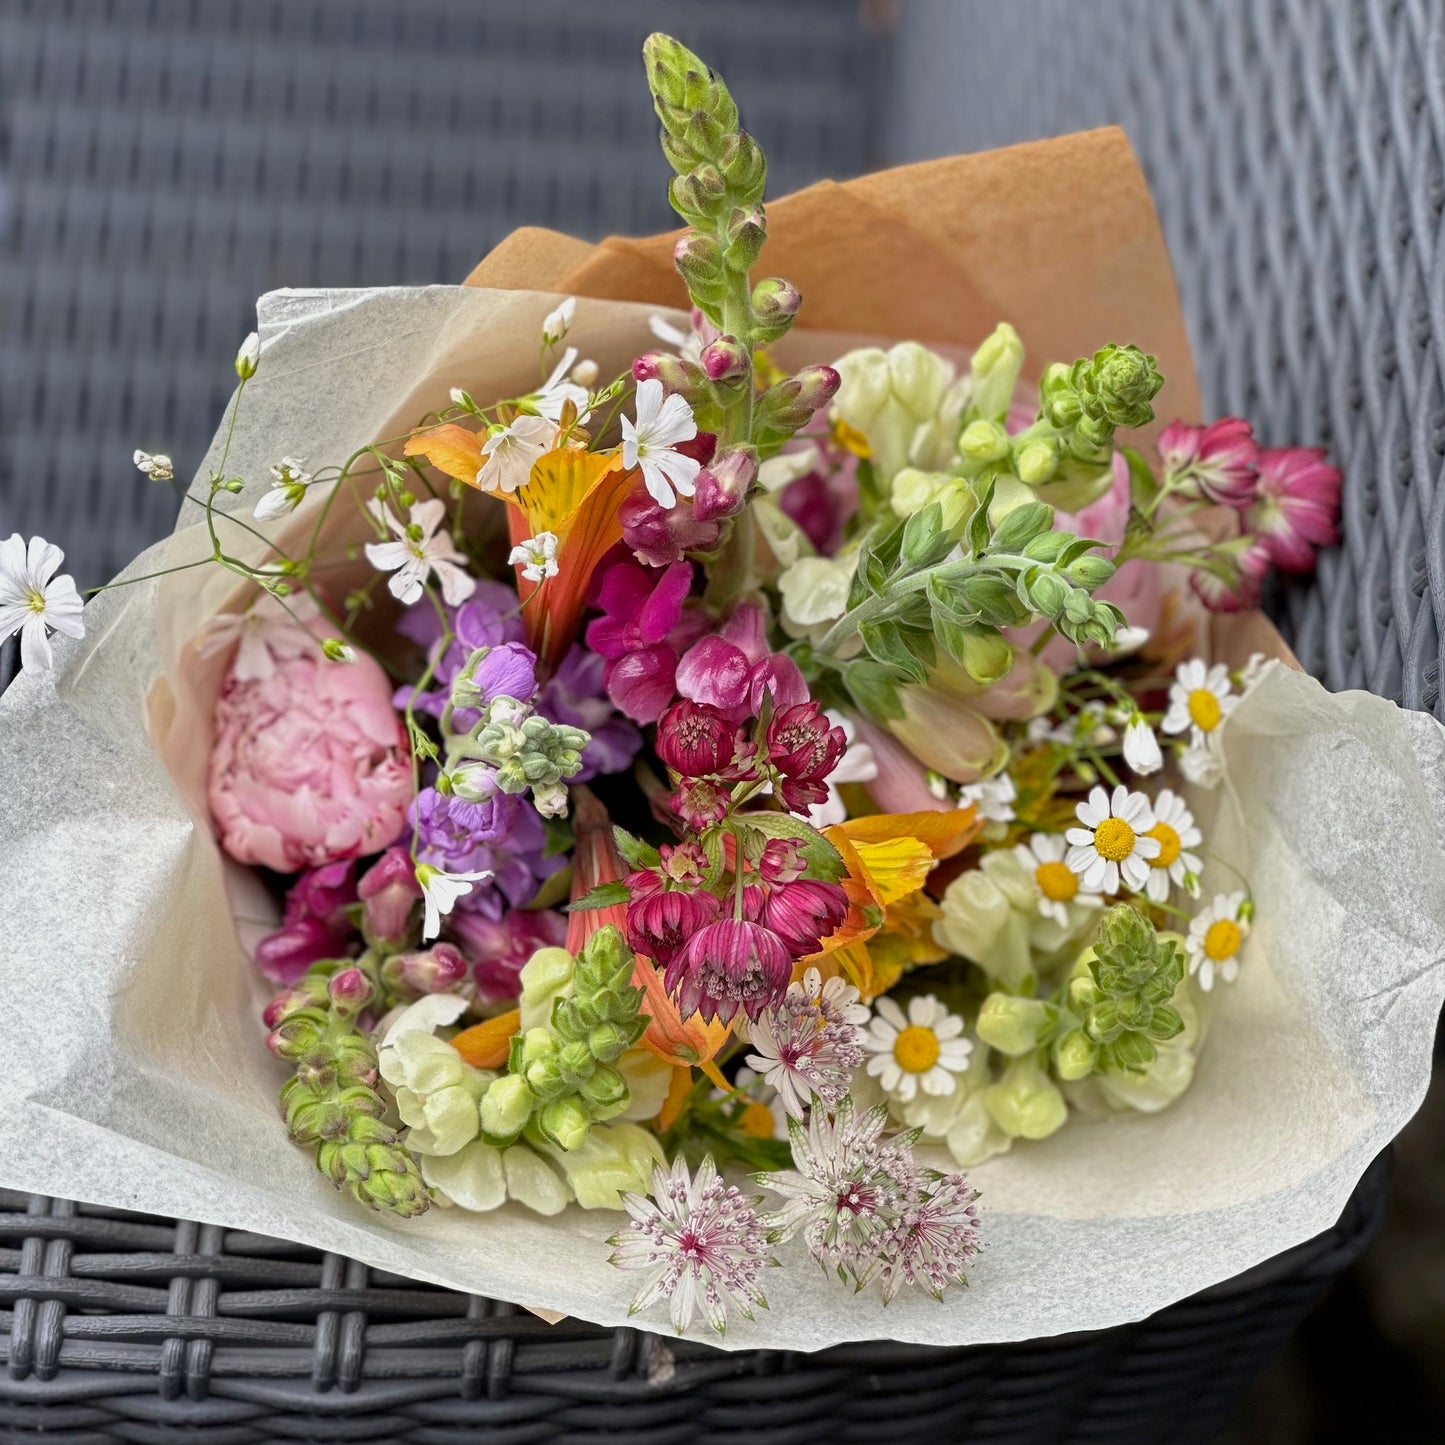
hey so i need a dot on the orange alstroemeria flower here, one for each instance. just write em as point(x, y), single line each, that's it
point(573, 493)
point(888, 857)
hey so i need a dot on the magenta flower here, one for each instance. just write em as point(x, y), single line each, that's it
point(731, 964)
point(698, 803)
point(804, 747)
point(314, 926)
point(701, 1240)
point(696, 740)
point(499, 948)
point(660, 536)
point(641, 610)
point(1218, 596)
point(722, 487)
point(1216, 462)
point(661, 921)
point(1297, 507)
point(802, 913)
point(732, 669)
point(388, 892)
point(437, 970)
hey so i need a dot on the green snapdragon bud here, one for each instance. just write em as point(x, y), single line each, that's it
point(1135, 973)
point(995, 367)
point(1075, 1055)
point(506, 1106)
point(694, 106)
point(564, 1122)
point(1013, 1025)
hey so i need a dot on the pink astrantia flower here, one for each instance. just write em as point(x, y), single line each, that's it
point(310, 765)
point(1298, 505)
point(703, 1242)
point(638, 634)
point(697, 740)
point(804, 746)
point(935, 1241)
point(1219, 596)
point(731, 964)
point(661, 921)
point(802, 912)
point(733, 668)
point(1216, 462)
point(811, 1043)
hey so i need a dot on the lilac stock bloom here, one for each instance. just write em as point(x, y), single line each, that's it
point(576, 695)
point(500, 947)
point(453, 835)
point(506, 671)
point(486, 619)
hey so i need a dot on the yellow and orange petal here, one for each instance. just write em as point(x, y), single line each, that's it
point(451, 449)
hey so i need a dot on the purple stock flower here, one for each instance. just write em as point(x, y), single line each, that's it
point(486, 619)
point(453, 834)
point(515, 859)
point(576, 694)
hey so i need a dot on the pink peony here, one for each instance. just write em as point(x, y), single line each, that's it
point(310, 765)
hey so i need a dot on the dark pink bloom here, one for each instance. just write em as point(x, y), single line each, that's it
point(349, 989)
point(782, 861)
point(660, 536)
point(732, 669)
point(684, 863)
point(314, 926)
point(641, 608)
point(389, 891)
point(499, 948)
point(660, 922)
point(812, 503)
point(437, 970)
point(1298, 505)
point(1217, 461)
point(804, 747)
point(698, 741)
point(731, 964)
point(723, 486)
point(1218, 596)
point(803, 913)
point(699, 803)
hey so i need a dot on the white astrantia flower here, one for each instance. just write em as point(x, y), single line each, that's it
point(511, 451)
point(857, 765)
point(1057, 884)
point(923, 1049)
point(156, 465)
point(419, 551)
point(440, 892)
point(248, 357)
point(1114, 843)
point(687, 344)
point(1141, 747)
point(1199, 700)
point(33, 600)
point(649, 442)
point(993, 797)
point(810, 1043)
point(289, 480)
point(1215, 937)
point(537, 556)
point(557, 391)
point(267, 632)
point(558, 322)
point(1176, 834)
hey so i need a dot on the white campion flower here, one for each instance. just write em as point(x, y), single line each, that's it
point(440, 892)
point(289, 481)
point(1141, 747)
point(412, 558)
point(248, 358)
point(511, 450)
point(993, 797)
point(649, 443)
point(156, 465)
point(1114, 841)
point(537, 556)
point(33, 599)
point(558, 322)
point(556, 392)
point(262, 635)
point(687, 344)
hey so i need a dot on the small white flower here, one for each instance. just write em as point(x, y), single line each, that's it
point(687, 344)
point(857, 765)
point(1199, 700)
point(248, 358)
point(1215, 937)
point(1141, 747)
point(585, 373)
point(557, 392)
point(1175, 832)
point(511, 450)
point(537, 556)
point(156, 465)
point(264, 634)
point(33, 598)
point(415, 556)
point(1057, 883)
point(558, 322)
point(924, 1049)
point(993, 797)
point(1114, 842)
point(648, 443)
point(440, 892)
point(460, 398)
point(288, 486)
point(1203, 763)
point(811, 1043)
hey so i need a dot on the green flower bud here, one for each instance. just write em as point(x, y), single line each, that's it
point(607, 1041)
point(564, 1122)
point(1020, 525)
point(606, 1091)
point(983, 442)
point(1091, 570)
point(1014, 1025)
point(1075, 1055)
point(744, 168)
point(1024, 1103)
point(545, 1078)
point(1035, 461)
point(995, 368)
point(506, 1106)
point(984, 653)
point(537, 1044)
point(575, 1061)
point(1046, 592)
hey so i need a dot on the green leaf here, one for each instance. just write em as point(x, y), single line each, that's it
point(874, 688)
point(1021, 526)
point(635, 852)
point(605, 895)
point(1143, 487)
point(888, 644)
point(822, 858)
point(978, 527)
point(924, 541)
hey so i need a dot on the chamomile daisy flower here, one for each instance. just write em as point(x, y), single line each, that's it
point(1175, 833)
point(1200, 698)
point(1215, 938)
point(1056, 883)
point(1114, 842)
point(922, 1049)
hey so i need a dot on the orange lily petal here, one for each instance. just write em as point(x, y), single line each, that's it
point(677, 1092)
point(671, 1037)
point(486, 1045)
point(945, 833)
point(895, 868)
point(449, 448)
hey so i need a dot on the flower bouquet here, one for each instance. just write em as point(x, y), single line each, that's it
point(700, 797)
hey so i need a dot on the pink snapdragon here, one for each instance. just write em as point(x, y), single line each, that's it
point(1297, 506)
point(732, 669)
point(315, 924)
point(1216, 462)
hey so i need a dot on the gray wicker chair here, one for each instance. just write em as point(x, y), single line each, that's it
point(163, 162)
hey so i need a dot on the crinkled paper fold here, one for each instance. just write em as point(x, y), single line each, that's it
point(135, 1073)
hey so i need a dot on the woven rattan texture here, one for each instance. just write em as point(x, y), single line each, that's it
point(122, 1327)
point(163, 162)
point(1296, 151)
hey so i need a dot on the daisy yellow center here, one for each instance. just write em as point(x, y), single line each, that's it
point(1169, 844)
point(915, 1050)
point(1114, 839)
point(36, 600)
point(1057, 882)
point(1222, 940)
point(1204, 709)
point(756, 1121)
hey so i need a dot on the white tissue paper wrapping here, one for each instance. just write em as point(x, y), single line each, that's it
point(135, 1074)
